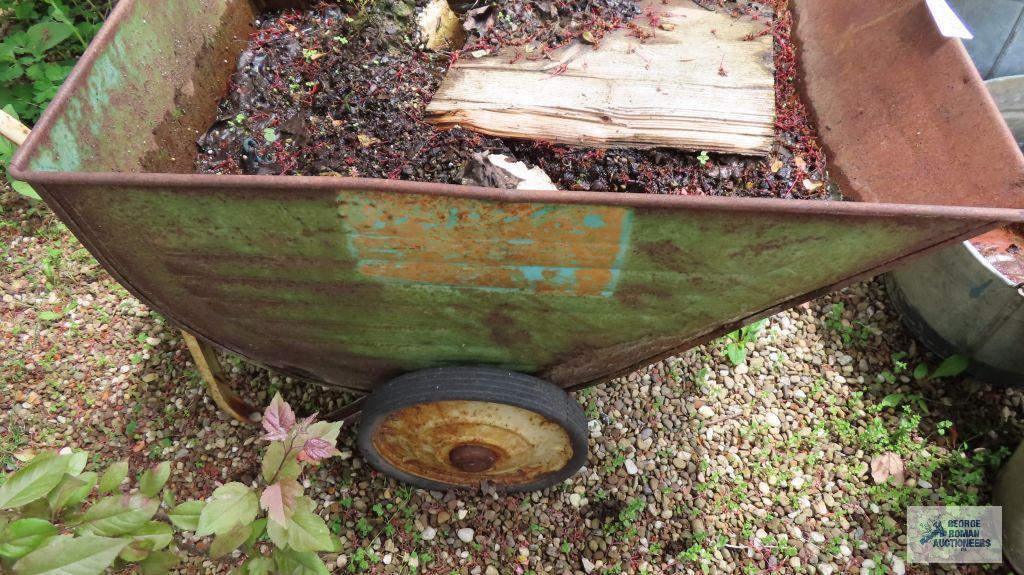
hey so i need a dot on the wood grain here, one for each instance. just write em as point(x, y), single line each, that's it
point(699, 83)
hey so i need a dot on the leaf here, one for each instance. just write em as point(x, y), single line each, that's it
point(232, 504)
point(186, 515)
point(117, 515)
point(259, 527)
point(278, 419)
point(736, 352)
point(278, 534)
point(279, 500)
point(227, 542)
point(367, 141)
point(259, 566)
point(49, 315)
point(270, 135)
point(952, 366)
point(272, 460)
point(77, 462)
point(33, 481)
point(326, 431)
point(71, 491)
point(87, 555)
point(137, 550)
point(921, 371)
point(153, 480)
point(885, 466)
point(308, 532)
point(45, 35)
point(891, 400)
point(21, 537)
point(290, 562)
point(113, 477)
point(158, 533)
point(159, 563)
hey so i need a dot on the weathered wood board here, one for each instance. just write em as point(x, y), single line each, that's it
point(703, 81)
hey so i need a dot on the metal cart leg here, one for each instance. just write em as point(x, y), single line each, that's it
point(209, 368)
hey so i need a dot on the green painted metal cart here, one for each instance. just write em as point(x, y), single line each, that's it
point(355, 282)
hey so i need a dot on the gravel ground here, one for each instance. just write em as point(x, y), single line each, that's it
point(696, 464)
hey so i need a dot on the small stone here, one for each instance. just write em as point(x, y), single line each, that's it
point(428, 534)
point(491, 570)
point(826, 569)
point(588, 566)
point(706, 411)
point(817, 537)
point(797, 482)
point(465, 534)
point(575, 500)
point(898, 566)
point(149, 378)
point(772, 419)
point(631, 467)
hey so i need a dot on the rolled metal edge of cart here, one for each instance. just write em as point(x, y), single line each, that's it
point(352, 282)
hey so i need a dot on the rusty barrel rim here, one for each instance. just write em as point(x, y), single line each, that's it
point(459, 427)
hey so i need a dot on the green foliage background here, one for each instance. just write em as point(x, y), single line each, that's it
point(40, 41)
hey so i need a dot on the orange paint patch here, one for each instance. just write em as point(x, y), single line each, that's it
point(433, 240)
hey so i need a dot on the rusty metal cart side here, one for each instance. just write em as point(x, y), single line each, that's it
point(354, 282)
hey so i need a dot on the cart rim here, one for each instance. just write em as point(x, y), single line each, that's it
point(468, 442)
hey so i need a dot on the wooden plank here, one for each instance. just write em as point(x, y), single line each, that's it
point(703, 81)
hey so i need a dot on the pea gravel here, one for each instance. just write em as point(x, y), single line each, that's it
point(696, 464)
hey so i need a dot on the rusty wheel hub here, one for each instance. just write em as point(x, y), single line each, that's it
point(467, 442)
point(473, 458)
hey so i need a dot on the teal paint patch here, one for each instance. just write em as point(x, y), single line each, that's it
point(542, 212)
point(625, 241)
point(521, 242)
point(562, 277)
point(594, 221)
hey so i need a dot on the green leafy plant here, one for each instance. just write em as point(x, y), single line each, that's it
point(736, 348)
point(703, 158)
point(952, 366)
point(58, 518)
point(43, 40)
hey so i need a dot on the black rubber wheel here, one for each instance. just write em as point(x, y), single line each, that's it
point(456, 427)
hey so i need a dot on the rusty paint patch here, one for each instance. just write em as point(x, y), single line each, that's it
point(535, 248)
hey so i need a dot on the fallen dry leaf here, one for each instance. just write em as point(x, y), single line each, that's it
point(801, 164)
point(811, 185)
point(887, 465)
point(367, 141)
point(776, 166)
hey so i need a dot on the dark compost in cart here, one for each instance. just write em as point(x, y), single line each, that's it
point(341, 90)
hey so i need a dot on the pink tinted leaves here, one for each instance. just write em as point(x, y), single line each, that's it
point(279, 500)
point(317, 449)
point(278, 419)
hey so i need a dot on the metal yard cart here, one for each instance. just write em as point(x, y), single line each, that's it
point(469, 311)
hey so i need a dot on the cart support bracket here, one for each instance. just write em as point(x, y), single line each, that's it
point(210, 369)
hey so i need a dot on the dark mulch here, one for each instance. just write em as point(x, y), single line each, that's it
point(341, 90)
